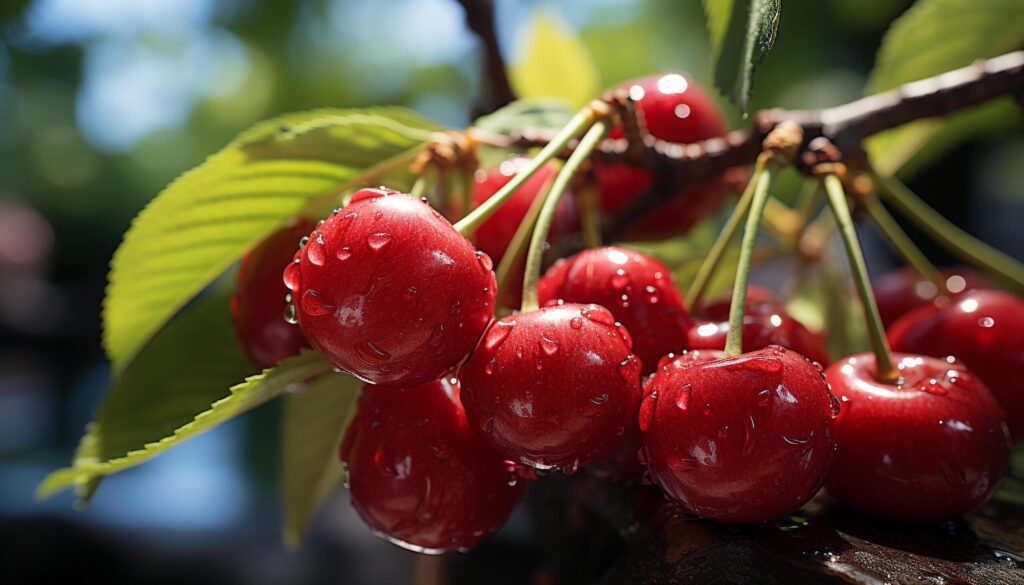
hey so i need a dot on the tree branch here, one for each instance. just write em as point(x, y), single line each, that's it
point(480, 20)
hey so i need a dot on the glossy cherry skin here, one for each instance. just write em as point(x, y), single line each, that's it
point(985, 329)
point(494, 235)
point(556, 387)
point(418, 475)
point(900, 291)
point(258, 303)
point(759, 299)
point(763, 325)
point(388, 291)
point(932, 448)
point(670, 107)
point(739, 440)
point(639, 290)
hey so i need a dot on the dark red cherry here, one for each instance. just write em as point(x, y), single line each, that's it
point(759, 300)
point(743, 439)
point(765, 325)
point(388, 291)
point(638, 289)
point(258, 304)
point(933, 447)
point(556, 387)
point(494, 235)
point(985, 329)
point(670, 107)
point(902, 290)
point(418, 475)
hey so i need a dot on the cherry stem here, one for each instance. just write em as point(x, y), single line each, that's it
point(517, 245)
point(466, 175)
point(762, 181)
point(420, 186)
point(580, 122)
point(955, 240)
point(590, 214)
point(900, 241)
point(535, 254)
point(714, 256)
point(885, 370)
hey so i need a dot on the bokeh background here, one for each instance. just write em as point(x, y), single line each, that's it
point(103, 102)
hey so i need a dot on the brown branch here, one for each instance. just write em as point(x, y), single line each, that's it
point(480, 20)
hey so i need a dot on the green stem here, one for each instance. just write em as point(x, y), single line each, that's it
point(535, 254)
point(714, 256)
point(516, 248)
point(955, 240)
point(762, 182)
point(420, 186)
point(901, 242)
point(885, 370)
point(580, 122)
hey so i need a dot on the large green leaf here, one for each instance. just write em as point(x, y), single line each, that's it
point(241, 398)
point(205, 220)
point(930, 38)
point(314, 422)
point(742, 33)
point(556, 63)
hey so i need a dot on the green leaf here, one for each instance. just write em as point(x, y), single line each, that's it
point(742, 33)
point(533, 113)
point(206, 219)
point(314, 423)
point(930, 38)
point(243, 397)
point(556, 63)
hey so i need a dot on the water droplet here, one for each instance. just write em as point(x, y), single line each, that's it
point(647, 408)
point(379, 215)
point(624, 335)
point(986, 322)
point(707, 408)
point(620, 430)
point(485, 260)
point(436, 336)
point(629, 369)
point(378, 240)
point(371, 353)
point(409, 293)
point(834, 405)
point(497, 334)
point(344, 253)
point(723, 432)
point(487, 424)
point(576, 323)
point(316, 305)
point(764, 397)
point(291, 276)
point(798, 440)
point(619, 280)
point(932, 387)
point(303, 241)
point(653, 294)
point(290, 315)
point(440, 451)
point(455, 307)
point(598, 314)
point(540, 364)
point(571, 468)
point(489, 367)
point(599, 399)
point(315, 251)
point(683, 396)
point(548, 346)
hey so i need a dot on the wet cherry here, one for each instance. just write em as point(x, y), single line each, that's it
point(671, 107)
point(494, 235)
point(763, 325)
point(902, 290)
point(931, 447)
point(639, 291)
point(258, 304)
point(388, 291)
point(743, 439)
point(418, 475)
point(555, 387)
point(985, 329)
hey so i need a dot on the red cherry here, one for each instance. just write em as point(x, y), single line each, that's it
point(494, 235)
point(639, 291)
point(418, 475)
point(258, 304)
point(985, 329)
point(671, 107)
point(743, 439)
point(388, 291)
point(902, 290)
point(932, 448)
point(555, 387)
point(765, 325)
point(759, 299)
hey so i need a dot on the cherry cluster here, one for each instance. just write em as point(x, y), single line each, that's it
point(614, 373)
